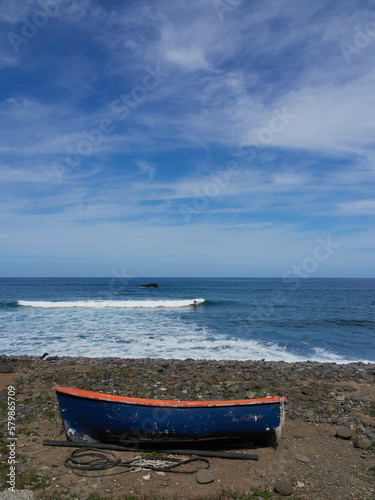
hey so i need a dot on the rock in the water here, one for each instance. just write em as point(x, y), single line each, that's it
point(283, 488)
point(344, 432)
point(204, 476)
point(302, 458)
point(362, 443)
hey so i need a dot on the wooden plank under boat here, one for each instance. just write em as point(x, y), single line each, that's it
point(96, 417)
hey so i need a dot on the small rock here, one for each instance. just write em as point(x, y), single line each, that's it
point(6, 368)
point(302, 458)
point(283, 488)
point(304, 397)
point(299, 435)
point(204, 476)
point(362, 443)
point(344, 432)
point(249, 385)
point(358, 399)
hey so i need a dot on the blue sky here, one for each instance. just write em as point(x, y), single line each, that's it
point(199, 138)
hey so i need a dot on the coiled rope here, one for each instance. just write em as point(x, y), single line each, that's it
point(94, 459)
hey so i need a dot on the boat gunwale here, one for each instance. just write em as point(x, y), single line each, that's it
point(112, 398)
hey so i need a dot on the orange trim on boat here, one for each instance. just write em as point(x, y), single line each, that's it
point(98, 396)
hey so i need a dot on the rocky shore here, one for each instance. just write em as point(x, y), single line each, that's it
point(327, 450)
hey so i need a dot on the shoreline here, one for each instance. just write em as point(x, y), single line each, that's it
point(321, 398)
point(64, 358)
point(191, 378)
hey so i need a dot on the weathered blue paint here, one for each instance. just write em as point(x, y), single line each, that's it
point(91, 419)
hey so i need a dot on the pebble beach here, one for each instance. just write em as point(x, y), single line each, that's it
point(326, 451)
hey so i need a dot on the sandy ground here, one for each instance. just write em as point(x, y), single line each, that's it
point(334, 468)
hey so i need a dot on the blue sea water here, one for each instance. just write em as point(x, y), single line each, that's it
point(328, 320)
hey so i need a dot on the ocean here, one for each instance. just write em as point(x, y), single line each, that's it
point(326, 320)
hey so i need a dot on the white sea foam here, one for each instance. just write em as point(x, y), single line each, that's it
point(325, 356)
point(100, 304)
point(137, 329)
point(117, 319)
point(98, 336)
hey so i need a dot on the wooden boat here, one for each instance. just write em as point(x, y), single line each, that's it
point(96, 417)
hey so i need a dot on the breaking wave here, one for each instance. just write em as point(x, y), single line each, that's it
point(100, 304)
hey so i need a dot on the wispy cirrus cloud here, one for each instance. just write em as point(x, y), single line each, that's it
point(254, 121)
point(360, 207)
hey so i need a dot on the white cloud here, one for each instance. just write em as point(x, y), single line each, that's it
point(24, 175)
point(225, 83)
point(331, 118)
point(191, 58)
point(146, 168)
point(14, 12)
point(358, 207)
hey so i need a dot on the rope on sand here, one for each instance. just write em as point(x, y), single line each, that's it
point(94, 459)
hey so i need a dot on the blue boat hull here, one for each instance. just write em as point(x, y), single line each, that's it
point(124, 420)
